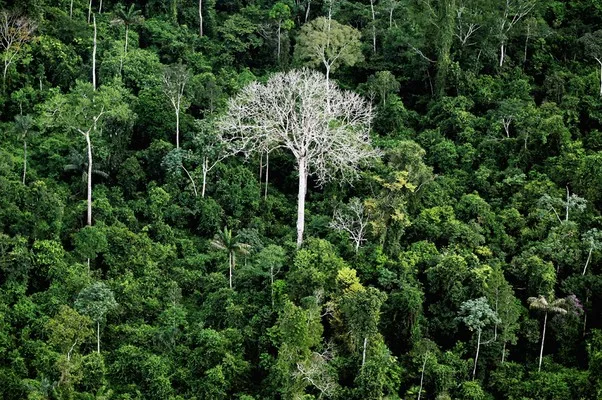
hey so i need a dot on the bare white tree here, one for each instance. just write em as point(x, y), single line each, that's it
point(514, 11)
point(353, 220)
point(175, 78)
point(315, 371)
point(326, 129)
point(15, 31)
point(466, 24)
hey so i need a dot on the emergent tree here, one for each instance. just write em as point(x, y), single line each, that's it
point(326, 129)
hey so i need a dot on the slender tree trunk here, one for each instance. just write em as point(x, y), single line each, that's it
point(566, 215)
point(391, 17)
point(476, 358)
point(589, 256)
point(307, 10)
point(71, 10)
point(125, 49)
point(205, 168)
point(25, 161)
point(585, 316)
point(267, 173)
point(279, 29)
point(502, 49)
point(196, 194)
point(178, 125)
point(89, 10)
point(302, 165)
point(94, 55)
point(543, 338)
point(4, 73)
point(526, 43)
point(231, 261)
point(364, 351)
point(272, 283)
point(98, 337)
point(89, 145)
point(422, 375)
point(201, 18)
point(100, 7)
point(600, 62)
point(504, 352)
point(373, 26)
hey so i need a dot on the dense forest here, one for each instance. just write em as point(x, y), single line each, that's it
point(301, 199)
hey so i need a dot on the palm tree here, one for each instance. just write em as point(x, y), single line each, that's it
point(224, 240)
point(126, 17)
point(557, 306)
point(24, 128)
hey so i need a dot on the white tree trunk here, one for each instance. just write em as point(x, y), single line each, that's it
point(94, 55)
point(422, 375)
point(71, 10)
point(543, 338)
point(504, 352)
point(502, 49)
point(100, 7)
point(279, 40)
point(89, 10)
point(267, 173)
point(307, 10)
point(302, 165)
point(125, 50)
point(589, 255)
point(231, 261)
point(89, 146)
point(200, 17)
point(98, 337)
point(196, 194)
point(178, 126)
point(476, 358)
point(25, 163)
point(373, 26)
point(364, 351)
point(205, 170)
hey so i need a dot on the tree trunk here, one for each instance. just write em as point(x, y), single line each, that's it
point(125, 49)
point(178, 125)
point(502, 49)
point(526, 43)
point(98, 337)
point(94, 55)
point(100, 7)
point(302, 166)
point(205, 167)
point(89, 10)
point(589, 255)
point(201, 18)
point(504, 352)
point(279, 29)
point(422, 375)
point(476, 358)
point(373, 26)
point(196, 194)
point(391, 17)
point(231, 266)
point(267, 173)
point(600, 62)
point(89, 145)
point(307, 10)
point(71, 10)
point(543, 338)
point(272, 283)
point(364, 351)
point(25, 162)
